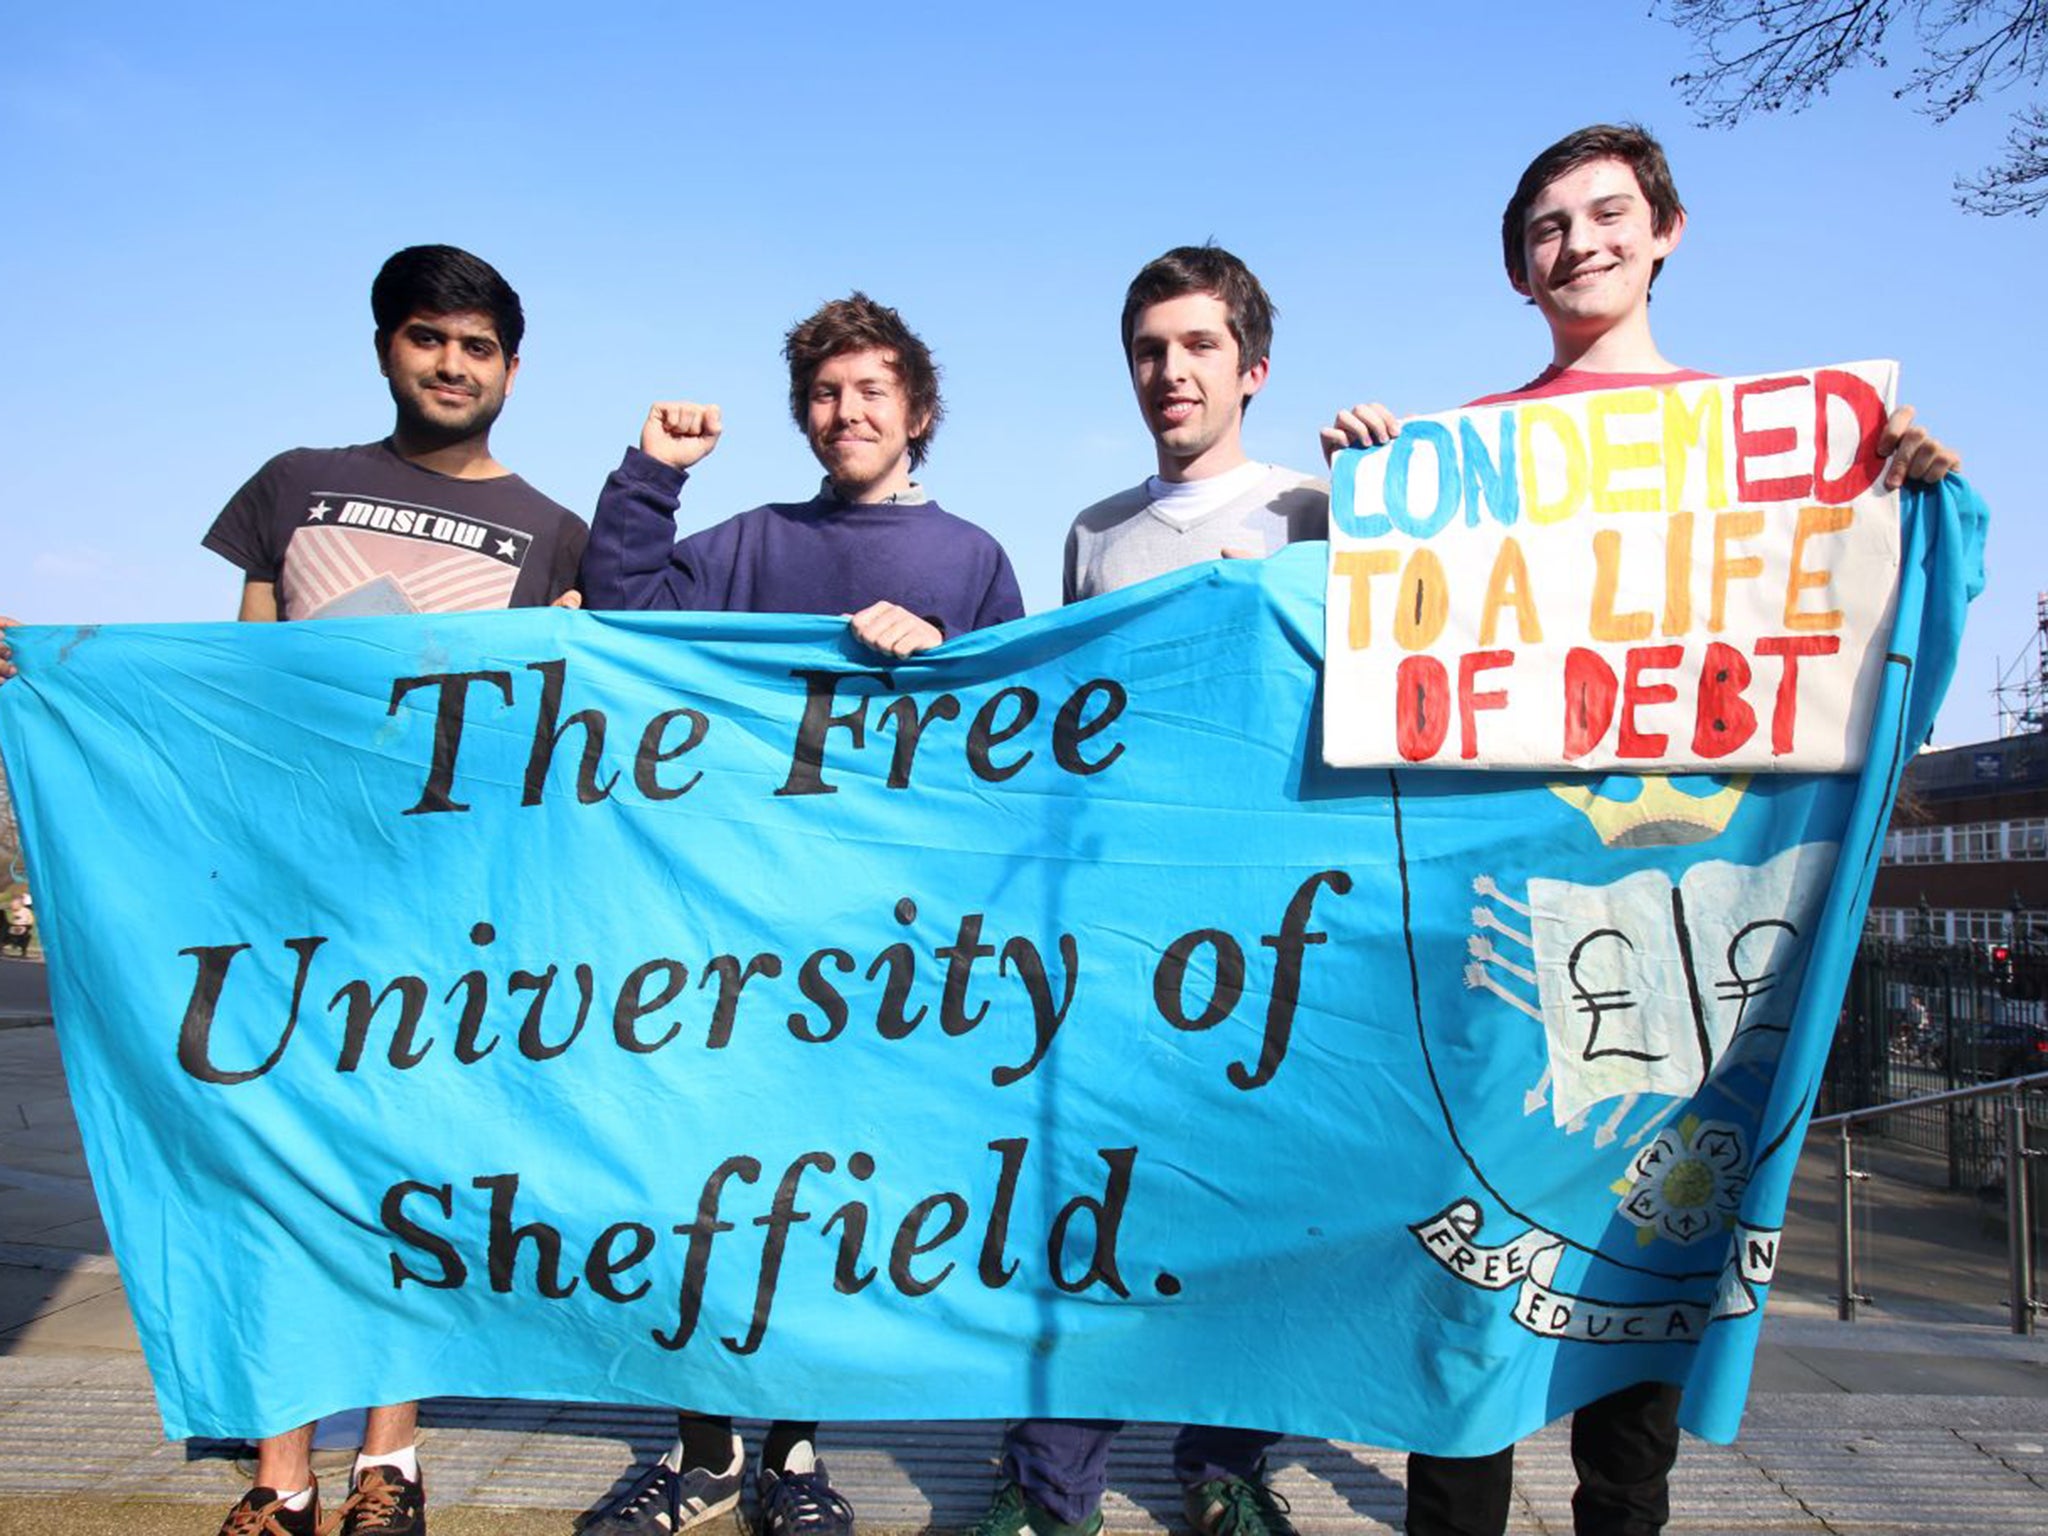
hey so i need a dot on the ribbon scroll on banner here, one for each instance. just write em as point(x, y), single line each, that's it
point(697, 1010)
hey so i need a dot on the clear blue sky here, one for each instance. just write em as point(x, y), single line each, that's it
point(197, 198)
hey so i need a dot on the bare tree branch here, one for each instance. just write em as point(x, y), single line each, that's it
point(1966, 68)
point(1772, 55)
point(1764, 55)
point(2019, 182)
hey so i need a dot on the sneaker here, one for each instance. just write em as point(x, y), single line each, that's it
point(664, 1500)
point(705, 1492)
point(1237, 1506)
point(803, 1504)
point(384, 1503)
point(260, 1512)
point(1013, 1515)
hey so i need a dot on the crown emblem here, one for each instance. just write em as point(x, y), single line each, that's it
point(1659, 816)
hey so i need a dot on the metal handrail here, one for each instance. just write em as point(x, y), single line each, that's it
point(2018, 1234)
point(1981, 1090)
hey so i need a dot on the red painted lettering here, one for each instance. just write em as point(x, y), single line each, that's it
point(1724, 720)
point(1422, 707)
point(1470, 665)
point(1589, 692)
point(1784, 714)
point(1868, 463)
point(1628, 741)
point(1764, 443)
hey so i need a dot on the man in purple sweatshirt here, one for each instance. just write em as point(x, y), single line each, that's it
point(869, 545)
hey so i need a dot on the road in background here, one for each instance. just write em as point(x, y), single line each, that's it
point(24, 992)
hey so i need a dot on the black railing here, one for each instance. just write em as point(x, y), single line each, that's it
point(2017, 1152)
point(1921, 1019)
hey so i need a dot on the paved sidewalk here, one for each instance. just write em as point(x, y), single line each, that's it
point(24, 992)
point(1928, 1416)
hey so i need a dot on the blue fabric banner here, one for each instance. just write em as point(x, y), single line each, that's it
point(690, 1010)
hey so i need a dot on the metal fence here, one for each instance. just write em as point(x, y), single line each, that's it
point(1922, 1018)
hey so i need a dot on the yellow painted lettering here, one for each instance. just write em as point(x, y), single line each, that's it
point(1423, 602)
point(1814, 522)
point(1608, 458)
point(1508, 587)
point(1358, 567)
point(1563, 447)
point(1686, 430)
point(1605, 623)
point(1678, 574)
point(1729, 527)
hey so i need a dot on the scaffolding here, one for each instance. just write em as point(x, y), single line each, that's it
point(2022, 690)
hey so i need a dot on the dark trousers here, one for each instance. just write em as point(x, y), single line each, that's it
point(1623, 1448)
point(1062, 1465)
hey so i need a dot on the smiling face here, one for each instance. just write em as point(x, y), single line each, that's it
point(1186, 369)
point(449, 376)
point(1590, 247)
point(859, 422)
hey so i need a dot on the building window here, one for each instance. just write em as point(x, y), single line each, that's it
point(1975, 842)
point(1919, 845)
point(1980, 842)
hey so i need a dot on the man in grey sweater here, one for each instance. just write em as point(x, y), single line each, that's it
point(1197, 329)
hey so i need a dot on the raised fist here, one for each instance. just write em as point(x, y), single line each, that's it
point(680, 432)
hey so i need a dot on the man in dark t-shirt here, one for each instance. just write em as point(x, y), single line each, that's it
point(425, 521)
point(346, 532)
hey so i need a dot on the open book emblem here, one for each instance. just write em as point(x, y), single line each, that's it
point(1645, 985)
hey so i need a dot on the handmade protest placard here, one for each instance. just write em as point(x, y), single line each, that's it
point(697, 1009)
point(1697, 577)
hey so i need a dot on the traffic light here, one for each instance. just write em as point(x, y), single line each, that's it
point(2001, 965)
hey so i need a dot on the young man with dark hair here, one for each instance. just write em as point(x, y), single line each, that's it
point(1628, 146)
point(1584, 236)
point(442, 280)
point(869, 546)
point(1197, 336)
point(424, 521)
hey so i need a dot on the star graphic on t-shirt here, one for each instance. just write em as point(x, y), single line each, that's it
point(318, 510)
point(508, 548)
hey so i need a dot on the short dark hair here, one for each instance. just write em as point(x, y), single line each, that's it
point(1631, 144)
point(442, 280)
point(857, 323)
point(1206, 269)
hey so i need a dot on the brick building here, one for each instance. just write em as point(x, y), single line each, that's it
point(1968, 846)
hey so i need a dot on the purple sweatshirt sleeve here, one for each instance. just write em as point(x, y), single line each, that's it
point(1003, 601)
point(633, 560)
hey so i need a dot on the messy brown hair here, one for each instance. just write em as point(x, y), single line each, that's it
point(857, 323)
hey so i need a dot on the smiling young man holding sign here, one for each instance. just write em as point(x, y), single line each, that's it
point(1587, 231)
